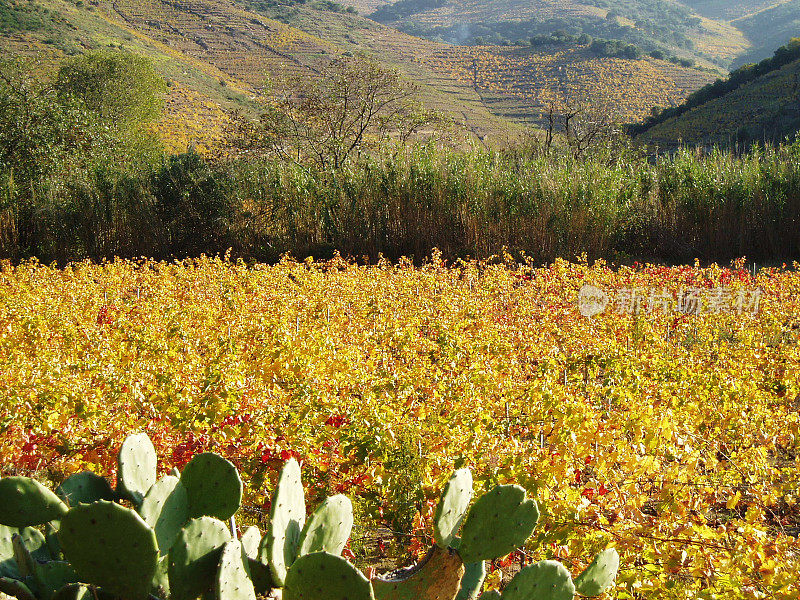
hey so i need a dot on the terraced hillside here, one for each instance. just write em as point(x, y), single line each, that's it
point(218, 55)
point(766, 108)
point(654, 25)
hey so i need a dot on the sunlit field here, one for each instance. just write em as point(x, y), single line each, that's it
point(668, 434)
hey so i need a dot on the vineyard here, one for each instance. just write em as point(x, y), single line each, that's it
point(669, 434)
point(764, 108)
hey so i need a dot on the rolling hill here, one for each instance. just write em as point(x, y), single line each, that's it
point(220, 54)
point(758, 103)
point(714, 33)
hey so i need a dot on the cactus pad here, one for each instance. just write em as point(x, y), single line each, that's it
point(160, 584)
point(490, 595)
point(261, 576)
point(547, 579)
point(85, 487)
point(52, 576)
point(75, 591)
point(165, 508)
point(136, 467)
point(323, 576)
point(32, 541)
point(287, 517)
point(499, 522)
point(600, 575)
point(436, 577)
point(25, 562)
point(194, 556)
point(213, 486)
point(328, 529)
point(110, 546)
point(15, 589)
point(233, 574)
point(25, 501)
point(51, 540)
point(472, 582)
point(452, 507)
point(251, 539)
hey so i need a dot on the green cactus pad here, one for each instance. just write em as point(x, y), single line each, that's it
point(323, 576)
point(251, 539)
point(25, 562)
point(8, 566)
point(452, 507)
point(165, 508)
point(287, 517)
point(74, 591)
point(490, 595)
point(328, 528)
point(261, 576)
point(52, 576)
point(213, 485)
point(160, 584)
point(436, 577)
point(51, 539)
point(85, 487)
point(25, 501)
point(136, 467)
point(547, 579)
point(233, 574)
point(472, 582)
point(110, 546)
point(599, 575)
point(31, 539)
point(194, 556)
point(499, 522)
point(15, 589)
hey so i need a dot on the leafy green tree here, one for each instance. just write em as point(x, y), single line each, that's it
point(122, 88)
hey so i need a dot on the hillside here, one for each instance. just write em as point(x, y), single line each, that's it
point(768, 29)
point(713, 33)
point(653, 25)
point(757, 103)
point(219, 55)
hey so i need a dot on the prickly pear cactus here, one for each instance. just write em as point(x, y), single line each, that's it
point(52, 576)
point(51, 540)
point(136, 467)
point(490, 595)
point(194, 556)
point(165, 508)
point(452, 507)
point(110, 546)
point(33, 543)
point(25, 501)
point(472, 582)
point(287, 517)
point(76, 591)
point(251, 539)
point(159, 587)
point(22, 556)
point(547, 579)
point(599, 575)
point(323, 576)
point(233, 574)
point(213, 486)
point(436, 577)
point(15, 589)
point(328, 528)
point(84, 487)
point(499, 522)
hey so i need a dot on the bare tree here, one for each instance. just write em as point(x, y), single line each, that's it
point(328, 118)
